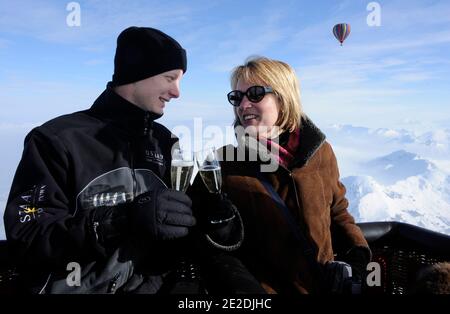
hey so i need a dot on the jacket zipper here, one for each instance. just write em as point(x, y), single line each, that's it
point(130, 153)
point(147, 123)
point(95, 225)
point(147, 126)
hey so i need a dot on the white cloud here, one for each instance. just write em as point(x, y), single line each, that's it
point(94, 62)
point(94, 48)
point(412, 77)
point(402, 43)
point(370, 51)
point(46, 20)
point(239, 45)
point(4, 43)
point(12, 127)
point(407, 14)
point(44, 99)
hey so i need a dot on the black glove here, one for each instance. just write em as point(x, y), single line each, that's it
point(220, 221)
point(338, 278)
point(108, 223)
point(219, 210)
point(358, 257)
point(161, 215)
point(225, 274)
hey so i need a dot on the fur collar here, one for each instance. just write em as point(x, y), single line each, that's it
point(311, 138)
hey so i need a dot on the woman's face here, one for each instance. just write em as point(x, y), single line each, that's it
point(262, 115)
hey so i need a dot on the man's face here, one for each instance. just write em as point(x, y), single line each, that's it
point(152, 93)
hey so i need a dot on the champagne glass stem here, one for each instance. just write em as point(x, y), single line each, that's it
point(178, 184)
point(216, 182)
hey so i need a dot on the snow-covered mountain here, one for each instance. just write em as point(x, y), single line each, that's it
point(405, 202)
point(404, 187)
point(439, 139)
point(397, 166)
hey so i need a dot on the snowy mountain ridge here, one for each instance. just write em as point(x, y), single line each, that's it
point(401, 186)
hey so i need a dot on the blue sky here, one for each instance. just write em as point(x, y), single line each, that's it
point(386, 76)
point(396, 75)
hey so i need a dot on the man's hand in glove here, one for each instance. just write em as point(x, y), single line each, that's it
point(161, 215)
point(156, 215)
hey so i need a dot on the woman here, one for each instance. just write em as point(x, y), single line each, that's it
point(287, 241)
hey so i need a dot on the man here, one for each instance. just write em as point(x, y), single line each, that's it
point(89, 209)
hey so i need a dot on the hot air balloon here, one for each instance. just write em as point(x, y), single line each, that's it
point(341, 31)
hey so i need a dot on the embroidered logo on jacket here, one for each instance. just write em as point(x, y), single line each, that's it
point(154, 157)
point(31, 209)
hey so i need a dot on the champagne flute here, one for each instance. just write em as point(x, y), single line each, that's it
point(211, 174)
point(209, 169)
point(181, 169)
point(185, 272)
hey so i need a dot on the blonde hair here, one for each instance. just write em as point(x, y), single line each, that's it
point(283, 80)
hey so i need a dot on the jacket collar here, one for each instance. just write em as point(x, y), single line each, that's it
point(112, 108)
point(311, 138)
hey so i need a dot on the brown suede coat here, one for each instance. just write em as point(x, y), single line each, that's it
point(312, 191)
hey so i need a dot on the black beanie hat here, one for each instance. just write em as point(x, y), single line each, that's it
point(143, 52)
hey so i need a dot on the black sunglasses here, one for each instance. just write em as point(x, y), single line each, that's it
point(253, 93)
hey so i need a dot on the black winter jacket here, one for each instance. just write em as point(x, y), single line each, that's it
point(103, 156)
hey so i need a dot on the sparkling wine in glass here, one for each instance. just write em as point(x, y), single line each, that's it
point(181, 169)
point(209, 169)
point(211, 174)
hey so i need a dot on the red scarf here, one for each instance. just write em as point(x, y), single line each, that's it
point(286, 152)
